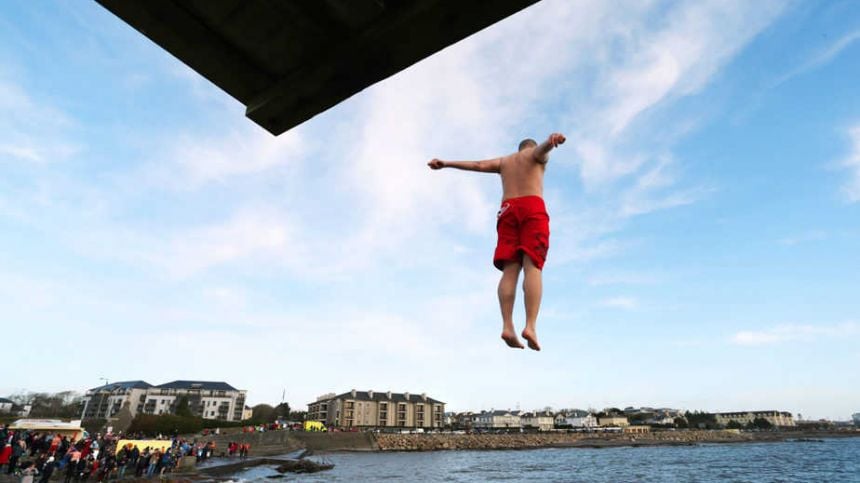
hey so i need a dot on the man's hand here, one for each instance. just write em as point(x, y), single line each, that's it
point(541, 152)
point(436, 164)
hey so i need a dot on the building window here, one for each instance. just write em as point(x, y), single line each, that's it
point(401, 414)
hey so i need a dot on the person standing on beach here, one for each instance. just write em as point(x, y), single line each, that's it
point(522, 226)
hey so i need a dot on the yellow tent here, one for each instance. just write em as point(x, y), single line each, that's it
point(314, 426)
point(153, 444)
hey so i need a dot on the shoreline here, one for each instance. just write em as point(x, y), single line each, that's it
point(517, 441)
point(283, 442)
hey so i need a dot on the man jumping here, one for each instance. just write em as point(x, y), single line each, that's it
point(522, 226)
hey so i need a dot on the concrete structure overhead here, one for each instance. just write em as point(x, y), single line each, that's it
point(289, 60)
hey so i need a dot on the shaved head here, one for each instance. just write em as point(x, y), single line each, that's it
point(527, 143)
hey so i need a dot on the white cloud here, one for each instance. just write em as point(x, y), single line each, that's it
point(821, 57)
point(621, 278)
point(794, 333)
point(32, 130)
point(626, 303)
point(657, 66)
point(193, 162)
point(647, 194)
point(851, 188)
point(805, 237)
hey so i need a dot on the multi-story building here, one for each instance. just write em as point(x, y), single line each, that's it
point(775, 418)
point(497, 419)
point(106, 401)
point(205, 399)
point(540, 420)
point(374, 409)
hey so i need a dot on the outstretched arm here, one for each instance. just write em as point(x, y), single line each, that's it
point(484, 166)
point(541, 152)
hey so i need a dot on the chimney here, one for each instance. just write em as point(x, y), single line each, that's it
point(370, 394)
point(388, 394)
point(353, 393)
point(406, 395)
point(424, 396)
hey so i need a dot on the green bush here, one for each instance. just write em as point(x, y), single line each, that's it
point(165, 424)
point(93, 425)
point(214, 423)
point(734, 425)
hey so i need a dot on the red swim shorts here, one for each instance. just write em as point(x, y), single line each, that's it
point(523, 227)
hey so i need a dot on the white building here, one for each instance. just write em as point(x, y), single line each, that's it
point(105, 401)
point(580, 419)
point(498, 419)
point(540, 420)
point(206, 399)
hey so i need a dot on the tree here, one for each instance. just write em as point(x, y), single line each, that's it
point(734, 425)
point(701, 420)
point(762, 423)
point(300, 416)
point(681, 422)
point(182, 408)
point(65, 404)
point(263, 413)
point(282, 411)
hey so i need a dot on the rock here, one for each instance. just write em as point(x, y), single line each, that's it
point(303, 466)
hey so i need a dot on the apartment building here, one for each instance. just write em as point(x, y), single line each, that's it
point(105, 401)
point(206, 399)
point(374, 409)
point(775, 418)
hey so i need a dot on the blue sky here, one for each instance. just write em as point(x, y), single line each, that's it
point(704, 214)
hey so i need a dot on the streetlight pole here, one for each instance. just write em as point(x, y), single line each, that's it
point(101, 396)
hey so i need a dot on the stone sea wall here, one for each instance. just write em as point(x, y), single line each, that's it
point(433, 442)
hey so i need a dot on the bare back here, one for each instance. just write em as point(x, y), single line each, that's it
point(522, 174)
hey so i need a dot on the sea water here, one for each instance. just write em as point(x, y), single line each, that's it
point(830, 460)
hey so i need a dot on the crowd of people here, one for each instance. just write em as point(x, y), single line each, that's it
point(33, 455)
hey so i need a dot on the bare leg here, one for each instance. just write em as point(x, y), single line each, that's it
point(507, 294)
point(533, 288)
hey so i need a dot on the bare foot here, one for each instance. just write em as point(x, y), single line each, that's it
point(531, 337)
point(510, 338)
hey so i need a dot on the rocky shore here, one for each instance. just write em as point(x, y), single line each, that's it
point(436, 442)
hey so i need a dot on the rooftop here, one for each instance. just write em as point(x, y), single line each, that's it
point(203, 385)
point(384, 396)
point(122, 385)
